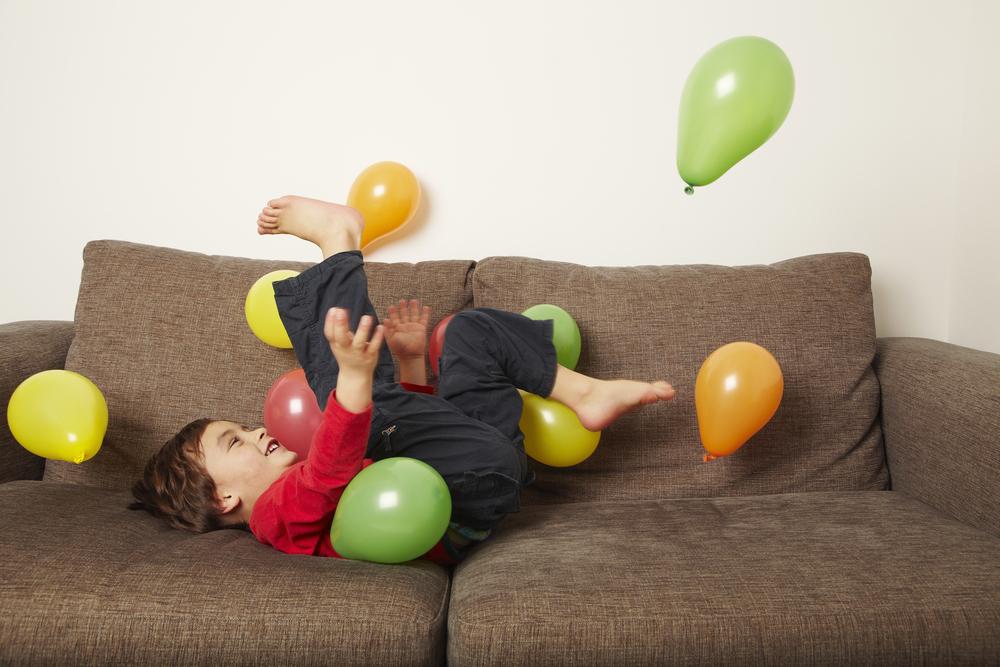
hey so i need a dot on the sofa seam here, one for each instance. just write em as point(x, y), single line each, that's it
point(714, 617)
point(445, 600)
point(632, 501)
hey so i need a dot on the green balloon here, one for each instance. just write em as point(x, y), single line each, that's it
point(393, 511)
point(735, 98)
point(565, 332)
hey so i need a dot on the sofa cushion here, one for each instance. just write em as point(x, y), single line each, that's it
point(814, 314)
point(831, 578)
point(26, 348)
point(84, 580)
point(163, 333)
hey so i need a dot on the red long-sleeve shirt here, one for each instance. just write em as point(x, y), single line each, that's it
point(295, 513)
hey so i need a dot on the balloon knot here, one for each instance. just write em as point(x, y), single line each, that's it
point(689, 190)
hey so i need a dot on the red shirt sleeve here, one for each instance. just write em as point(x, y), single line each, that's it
point(423, 388)
point(295, 513)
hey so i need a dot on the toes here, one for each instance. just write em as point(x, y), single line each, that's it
point(279, 202)
point(267, 220)
point(273, 212)
point(665, 390)
point(662, 391)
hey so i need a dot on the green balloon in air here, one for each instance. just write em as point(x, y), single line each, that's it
point(735, 98)
point(393, 511)
point(565, 332)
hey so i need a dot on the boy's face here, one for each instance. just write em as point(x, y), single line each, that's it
point(243, 463)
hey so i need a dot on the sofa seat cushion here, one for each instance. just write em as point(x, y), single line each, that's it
point(813, 313)
point(85, 580)
point(866, 577)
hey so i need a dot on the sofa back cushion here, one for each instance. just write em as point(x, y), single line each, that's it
point(163, 334)
point(814, 314)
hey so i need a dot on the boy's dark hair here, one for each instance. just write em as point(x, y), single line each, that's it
point(175, 485)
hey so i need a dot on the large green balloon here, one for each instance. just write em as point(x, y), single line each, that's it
point(565, 332)
point(735, 98)
point(393, 511)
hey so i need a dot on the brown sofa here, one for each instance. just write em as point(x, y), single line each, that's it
point(794, 550)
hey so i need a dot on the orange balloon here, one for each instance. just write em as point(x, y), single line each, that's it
point(387, 194)
point(738, 390)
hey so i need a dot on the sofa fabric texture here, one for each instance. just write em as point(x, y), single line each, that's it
point(793, 550)
point(100, 584)
point(813, 314)
point(163, 333)
point(822, 578)
point(26, 348)
point(941, 415)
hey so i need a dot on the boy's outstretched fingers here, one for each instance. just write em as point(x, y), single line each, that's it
point(368, 348)
point(361, 335)
point(376, 341)
point(335, 327)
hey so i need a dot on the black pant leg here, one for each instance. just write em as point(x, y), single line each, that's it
point(483, 468)
point(303, 301)
point(489, 354)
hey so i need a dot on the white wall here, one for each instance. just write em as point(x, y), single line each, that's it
point(975, 304)
point(545, 129)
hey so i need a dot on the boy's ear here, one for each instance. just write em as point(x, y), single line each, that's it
point(228, 502)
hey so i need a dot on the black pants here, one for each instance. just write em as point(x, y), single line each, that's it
point(469, 431)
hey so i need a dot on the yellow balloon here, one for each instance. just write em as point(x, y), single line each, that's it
point(553, 434)
point(58, 414)
point(387, 194)
point(262, 311)
point(738, 390)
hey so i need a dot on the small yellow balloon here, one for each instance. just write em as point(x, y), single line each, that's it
point(58, 414)
point(387, 195)
point(553, 434)
point(262, 311)
point(738, 390)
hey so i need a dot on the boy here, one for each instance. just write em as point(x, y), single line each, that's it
point(217, 474)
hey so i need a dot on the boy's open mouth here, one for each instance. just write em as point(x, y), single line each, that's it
point(271, 446)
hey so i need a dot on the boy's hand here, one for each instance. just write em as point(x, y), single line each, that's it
point(406, 329)
point(354, 351)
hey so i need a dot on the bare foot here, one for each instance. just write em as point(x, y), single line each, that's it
point(607, 400)
point(311, 219)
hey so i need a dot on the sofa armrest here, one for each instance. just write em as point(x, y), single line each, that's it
point(941, 420)
point(26, 348)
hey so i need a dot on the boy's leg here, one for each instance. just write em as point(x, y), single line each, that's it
point(487, 355)
point(492, 353)
point(481, 466)
point(303, 301)
point(472, 437)
point(470, 431)
point(339, 280)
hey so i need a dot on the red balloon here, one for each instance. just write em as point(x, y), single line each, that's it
point(291, 413)
point(437, 342)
